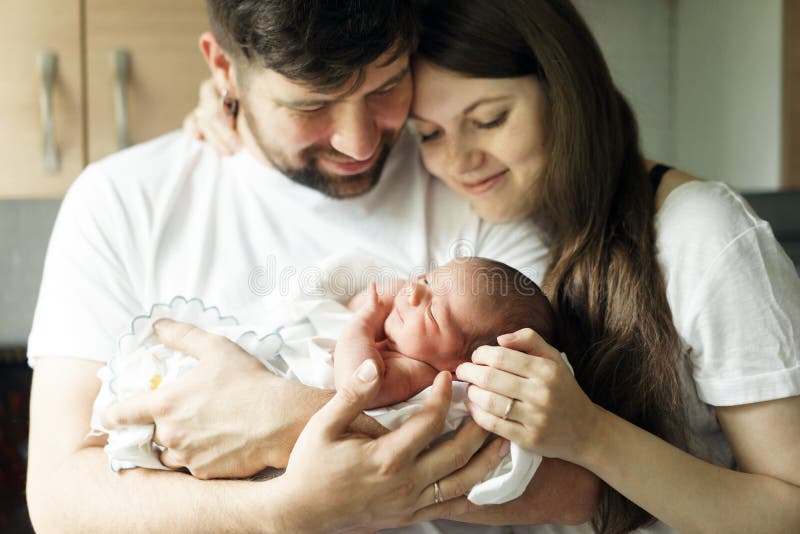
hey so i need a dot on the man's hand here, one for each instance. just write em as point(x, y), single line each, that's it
point(227, 418)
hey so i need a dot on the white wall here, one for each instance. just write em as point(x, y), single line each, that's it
point(636, 39)
point(728, 90)
point(704, 77)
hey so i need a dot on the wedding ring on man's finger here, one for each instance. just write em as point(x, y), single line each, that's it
point(508, 409)
point(437, 493)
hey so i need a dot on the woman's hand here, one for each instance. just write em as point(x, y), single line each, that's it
point(349, 481)
point(525, 392)
point(208, 121)
point(228, 417)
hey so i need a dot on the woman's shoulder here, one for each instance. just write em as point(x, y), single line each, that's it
point(702, 216)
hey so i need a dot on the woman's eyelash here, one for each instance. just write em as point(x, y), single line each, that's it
point(499, 121)
point(429, 137)
point(494, 123)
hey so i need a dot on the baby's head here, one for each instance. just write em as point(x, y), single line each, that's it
point(441, 317)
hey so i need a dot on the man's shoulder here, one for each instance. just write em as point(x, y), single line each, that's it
point(152, 161)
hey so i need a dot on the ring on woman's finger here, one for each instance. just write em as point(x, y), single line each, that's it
point(437, 493)
point(508, 409)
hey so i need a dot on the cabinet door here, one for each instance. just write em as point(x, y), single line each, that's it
point(26, 29)
point(165, 69)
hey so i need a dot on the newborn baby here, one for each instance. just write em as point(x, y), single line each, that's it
point(435, 321)
point(431, 323)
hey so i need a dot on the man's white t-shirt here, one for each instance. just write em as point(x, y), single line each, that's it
point(171, 217)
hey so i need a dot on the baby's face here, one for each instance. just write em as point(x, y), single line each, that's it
point(430, 319)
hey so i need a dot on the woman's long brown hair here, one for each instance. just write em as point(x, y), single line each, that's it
point(595, 203)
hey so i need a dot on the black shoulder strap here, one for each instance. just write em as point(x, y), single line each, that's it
point(656, 174)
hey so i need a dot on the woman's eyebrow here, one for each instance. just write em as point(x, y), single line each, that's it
point(481, 101)
point(469, 109)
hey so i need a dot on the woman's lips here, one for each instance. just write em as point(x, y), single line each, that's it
point(481, 187)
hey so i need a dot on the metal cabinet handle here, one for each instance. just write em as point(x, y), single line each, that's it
point(48, 62)
point(122, 75)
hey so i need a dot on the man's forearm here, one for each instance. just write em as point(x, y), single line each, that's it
point(560, 493)
point(83, 495)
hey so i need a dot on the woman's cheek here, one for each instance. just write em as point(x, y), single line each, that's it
point(434, 161)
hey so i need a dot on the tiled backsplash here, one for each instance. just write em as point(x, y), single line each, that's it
point(25, 227)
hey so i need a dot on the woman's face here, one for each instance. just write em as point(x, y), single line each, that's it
point(484, 137)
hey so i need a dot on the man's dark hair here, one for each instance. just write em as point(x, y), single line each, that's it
point(317, 42)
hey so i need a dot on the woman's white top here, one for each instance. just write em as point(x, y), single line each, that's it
point(735, 301)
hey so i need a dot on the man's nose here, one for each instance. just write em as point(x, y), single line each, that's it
point(415, 294)
point(356, 133)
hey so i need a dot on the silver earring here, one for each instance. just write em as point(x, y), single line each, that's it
point(230, 105)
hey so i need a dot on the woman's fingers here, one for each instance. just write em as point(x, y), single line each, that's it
point(423, 427)
point(191, 128)
point(505, 359)
point(528, 341)
point(511, 430)
point(492, 379)
point(218, 134)
point(496, 404)
point(351, 398)
point(207, 121)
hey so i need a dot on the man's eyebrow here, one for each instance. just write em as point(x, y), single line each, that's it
point(393, 80)
point(303, 103)
point(311, 103)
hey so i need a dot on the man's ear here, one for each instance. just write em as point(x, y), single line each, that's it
point(219, 62)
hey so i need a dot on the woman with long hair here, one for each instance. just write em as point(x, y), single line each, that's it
point(677, 308)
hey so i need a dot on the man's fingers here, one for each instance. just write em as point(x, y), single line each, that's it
point(458, 484)
point(420, 429)
point(451, 509)
point(137, 410)
point(351, 398)
point(170, 459)
point(453, 454)
point(190, 339)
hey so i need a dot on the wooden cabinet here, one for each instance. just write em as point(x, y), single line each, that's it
point(96, 102)
point(26, 30)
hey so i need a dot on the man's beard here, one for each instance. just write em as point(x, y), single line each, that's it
point(333, 185)
point(336, 185)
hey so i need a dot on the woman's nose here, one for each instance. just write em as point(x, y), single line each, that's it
point(463, 159)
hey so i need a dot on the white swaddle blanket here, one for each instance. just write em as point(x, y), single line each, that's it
point(299, 350)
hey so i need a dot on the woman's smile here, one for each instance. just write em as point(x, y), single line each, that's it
point(482, 186)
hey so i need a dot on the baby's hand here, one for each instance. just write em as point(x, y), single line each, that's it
point(373, 312)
